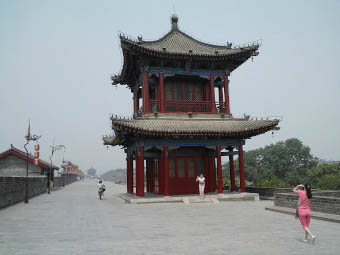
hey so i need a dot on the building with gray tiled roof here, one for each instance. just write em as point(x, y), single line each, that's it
point(182, 121)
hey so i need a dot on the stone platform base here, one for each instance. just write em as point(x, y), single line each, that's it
point(315, 215)
point(188, 199)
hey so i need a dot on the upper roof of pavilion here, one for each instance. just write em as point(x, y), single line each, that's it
point(179, 45)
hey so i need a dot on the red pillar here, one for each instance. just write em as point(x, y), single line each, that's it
point(147, 175)
point(219, 169)
point(145, 92)
point(207, 175)
point(152, 176)
point(220, 98)
point(241, 163)
point(161, 93)
point(166, 171)
point(232, 172)
point(141, 171)
point(129, 173)
point(212, 171)
point(226, 95)
point(135, 100)
point(212, 94)
point(160, 176)
point(137, 172)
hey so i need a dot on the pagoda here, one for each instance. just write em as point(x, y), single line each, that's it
point(182, 124)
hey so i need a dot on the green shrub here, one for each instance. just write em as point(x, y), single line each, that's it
point(273, 183)
point(329, 182)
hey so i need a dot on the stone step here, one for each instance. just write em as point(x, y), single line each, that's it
point(199, 200)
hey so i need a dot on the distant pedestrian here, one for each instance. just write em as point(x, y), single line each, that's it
point(303, 210)
point(201, 184)
point(101, 188)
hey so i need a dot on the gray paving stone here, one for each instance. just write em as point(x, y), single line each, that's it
point(73, 220)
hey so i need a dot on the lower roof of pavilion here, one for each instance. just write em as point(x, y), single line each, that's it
point(129, 130)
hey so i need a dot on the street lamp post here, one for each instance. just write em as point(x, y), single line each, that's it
point(29, 138)
point(54, 149)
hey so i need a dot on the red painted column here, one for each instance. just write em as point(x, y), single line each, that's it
point(212, 94)
point(241, 163)
point(207, 175)
point(135, 101)
point(141, 171)
point(166, 171)
point(226, 95)
point(232, 172)
point(219, 169)
point(220, 98)
point(145, 92)
point(129, 174)
point(212, 173)
point(161, 93)
point(160, 176)
point(147, 175)
point(137, 172)
point(152, 176)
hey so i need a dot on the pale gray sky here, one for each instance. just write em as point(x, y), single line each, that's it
point(56, 59)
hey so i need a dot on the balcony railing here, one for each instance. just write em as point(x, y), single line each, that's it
point(220, 108)
point(154, 105)
point(187, 106)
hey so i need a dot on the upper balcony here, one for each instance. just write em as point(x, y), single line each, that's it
point(182, 95)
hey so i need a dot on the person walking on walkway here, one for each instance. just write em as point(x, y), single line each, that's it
point(303, 210)
point(201, 184)
point(101, 188)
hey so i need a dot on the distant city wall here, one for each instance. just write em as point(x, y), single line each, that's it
point(65, 178)
point(322, 201)
point(13, 189)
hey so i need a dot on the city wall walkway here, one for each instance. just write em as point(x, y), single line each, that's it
point(73, 220)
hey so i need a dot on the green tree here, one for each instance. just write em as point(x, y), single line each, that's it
point(316, 173)
point(329, 182)
point(288, 161)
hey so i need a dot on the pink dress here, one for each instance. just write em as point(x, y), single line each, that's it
point(304, 209)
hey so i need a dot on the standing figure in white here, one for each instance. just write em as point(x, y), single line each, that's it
point(201, 184)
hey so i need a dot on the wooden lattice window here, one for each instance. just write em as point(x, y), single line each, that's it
point(181, 168)
point(184, 90)
point(172, 168)
point(191, 168)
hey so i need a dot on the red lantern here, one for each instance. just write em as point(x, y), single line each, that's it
point(36, 155)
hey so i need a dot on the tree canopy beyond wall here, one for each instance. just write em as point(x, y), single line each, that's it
point(285, 164)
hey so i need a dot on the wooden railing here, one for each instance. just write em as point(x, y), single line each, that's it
point(188, 106)
point(185, 106)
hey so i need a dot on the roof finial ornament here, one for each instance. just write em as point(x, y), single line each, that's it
point(174, 21)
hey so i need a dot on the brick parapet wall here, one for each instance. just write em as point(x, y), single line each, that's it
point(66, 178)
point(319, 203)
point(267, 192)
point(13, 189)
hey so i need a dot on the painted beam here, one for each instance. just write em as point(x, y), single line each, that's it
point(189, 143)
point(233, 153)
point(200, 72)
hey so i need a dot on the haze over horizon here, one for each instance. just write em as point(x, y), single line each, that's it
point(57, 57)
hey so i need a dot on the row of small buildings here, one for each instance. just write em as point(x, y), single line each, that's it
point(18, 171)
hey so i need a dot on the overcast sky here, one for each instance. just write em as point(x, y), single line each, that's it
point(57, 57)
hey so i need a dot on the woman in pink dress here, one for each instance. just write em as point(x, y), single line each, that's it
point(305, 196)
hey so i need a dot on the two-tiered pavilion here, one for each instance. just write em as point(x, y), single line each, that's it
point(182, 119)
